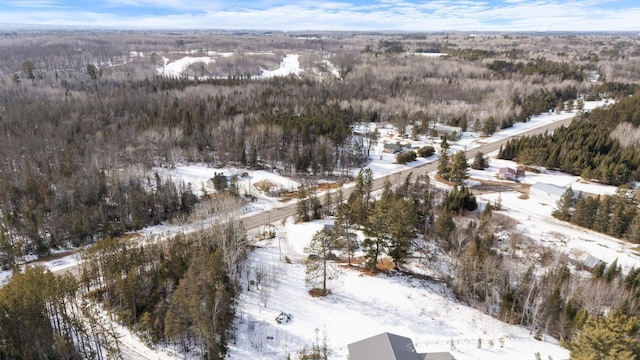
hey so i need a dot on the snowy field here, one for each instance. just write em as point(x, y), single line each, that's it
point(361, 305)
point(288, 66)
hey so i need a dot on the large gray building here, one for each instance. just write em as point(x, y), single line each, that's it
point(388, 346)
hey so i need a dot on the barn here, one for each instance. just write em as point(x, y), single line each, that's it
point(546, 193)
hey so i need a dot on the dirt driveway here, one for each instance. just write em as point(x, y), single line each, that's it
point(491, 186)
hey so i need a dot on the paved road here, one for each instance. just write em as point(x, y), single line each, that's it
point(255, 221)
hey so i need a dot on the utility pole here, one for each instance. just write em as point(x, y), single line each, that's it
point(348, 244)
point(279, 248)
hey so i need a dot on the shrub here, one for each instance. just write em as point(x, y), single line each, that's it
point(426, 151)
point(406, 157)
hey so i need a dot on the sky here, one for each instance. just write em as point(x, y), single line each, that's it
point(357, 15)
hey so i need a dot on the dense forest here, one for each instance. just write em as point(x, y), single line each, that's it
point(179, 291)
point(87, 121)
point(82, 130)
point(590, 147)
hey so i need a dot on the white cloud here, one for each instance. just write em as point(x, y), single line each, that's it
point(37, 4)
point(341, 15)
point(173, 5)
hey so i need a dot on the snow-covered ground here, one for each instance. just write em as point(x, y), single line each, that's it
point(361, 305)
point(289, 66)
point(535, 220)
point(331, 68)
point(557, 178)
point(177, 68)
point(198, 176)
point(428, 54)
point(382, 164)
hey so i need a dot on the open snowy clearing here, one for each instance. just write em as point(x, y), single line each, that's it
point(535, 221)
point(288, 66)
point(360, 306)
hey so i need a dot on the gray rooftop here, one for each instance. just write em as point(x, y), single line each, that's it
point(549, 188)
point(384, 346)
point(437, 356)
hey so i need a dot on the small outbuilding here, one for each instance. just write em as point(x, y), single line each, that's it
point(589, 262)
point(449, 131)
point(547, 193)
point(396, 148)
point(507, 173)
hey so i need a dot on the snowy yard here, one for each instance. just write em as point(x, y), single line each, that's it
point(361, 306)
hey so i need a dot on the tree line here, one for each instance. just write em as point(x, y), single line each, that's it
point(616, 216)
point(585, 148)
point(178, 291)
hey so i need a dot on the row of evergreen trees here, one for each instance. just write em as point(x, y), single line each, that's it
point(392, 221)
point(540, 66)
point(617, 215)
point(585, 148)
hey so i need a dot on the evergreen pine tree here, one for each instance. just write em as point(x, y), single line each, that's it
point(302, 209)
point(603, 215)
point(444, 165)
point(404, 219)
point(585, 211)
point(327, 204)
point(319, 269)
point(634, 229)
point(607, 338)
point(565, 204)
point(377, 233)
point(445, 224)
point(459, 168)
point(618, 222)
point(479, 161)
